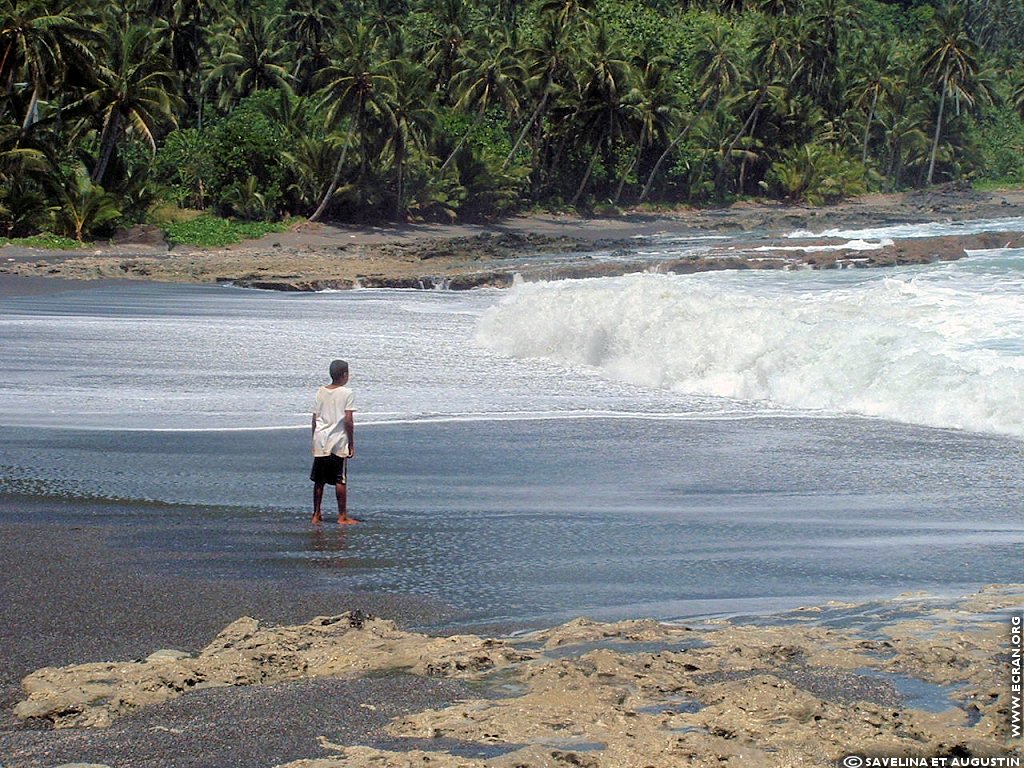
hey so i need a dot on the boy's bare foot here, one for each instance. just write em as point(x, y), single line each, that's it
point(346, 520)
point(317, 517)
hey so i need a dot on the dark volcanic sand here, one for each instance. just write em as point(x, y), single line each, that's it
point(66, 597)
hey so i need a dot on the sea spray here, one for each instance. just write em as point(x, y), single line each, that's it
point(936, 347)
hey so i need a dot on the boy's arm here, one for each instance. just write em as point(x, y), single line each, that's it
point(314, 426)
point(350, 432)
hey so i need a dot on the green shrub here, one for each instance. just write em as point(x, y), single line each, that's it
point(215, 232)
point(246, 145)
point(46, 240)
point(185, 164)
point(816, 174)
point(999, 139)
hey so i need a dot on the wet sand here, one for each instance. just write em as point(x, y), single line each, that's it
point(68, 598)
point(142, 669)
point(791, 691)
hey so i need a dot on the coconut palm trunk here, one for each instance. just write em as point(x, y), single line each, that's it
point(867, 128)
point(537, 113)
point(668, 151)
point(938, 127)
point(632, 165)
point(586, 178)
point(333, 186)
point(107, 141)
point(720, 176)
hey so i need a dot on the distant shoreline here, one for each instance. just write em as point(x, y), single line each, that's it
point(313, 257)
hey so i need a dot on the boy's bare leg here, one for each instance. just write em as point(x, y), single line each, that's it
point(318, 495)
point(341, 492)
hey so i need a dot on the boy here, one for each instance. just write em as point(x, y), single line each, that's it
point(334, 441)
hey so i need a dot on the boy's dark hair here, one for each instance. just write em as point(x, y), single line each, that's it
point(339, 369)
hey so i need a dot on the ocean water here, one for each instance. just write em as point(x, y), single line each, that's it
point(646, 445)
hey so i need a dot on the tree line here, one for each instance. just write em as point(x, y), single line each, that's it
point(442, 109)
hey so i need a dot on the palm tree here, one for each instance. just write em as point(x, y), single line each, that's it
point(565, 11)
point(772, 69)
point(825, 29)
point(654, 105)
point(408, 117)
point(17, 157)
point(39, 44)
point(776, 7)
point(549, 65)
point(385, 16)
point(81, 204)
point(951, 62)
point(602, 111)
point(308, 24)
point(453, 20)
point(351, 88)
point(904, 120)
point(718, 62)
point(1017, 98)
point(252, 59)
point(490, 74)
point(133, 90)
point(184, 25)
point(874, 77)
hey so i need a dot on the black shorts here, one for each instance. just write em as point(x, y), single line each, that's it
point(328, 470)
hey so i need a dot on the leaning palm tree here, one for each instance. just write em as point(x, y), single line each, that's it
point(603, 111)
point(951, 61)
point(133, 90)
point(654, 104)
point(549, 67)
point(490, 74)
point(772, 70)
point(350, 90)
point(718, 62)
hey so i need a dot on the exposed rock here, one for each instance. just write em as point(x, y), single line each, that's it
point(248, 653)
point(140, 234)
point(632, 694)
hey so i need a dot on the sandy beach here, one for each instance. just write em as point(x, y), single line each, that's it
point(122, 652)
point(535, 247)
point(140, 674)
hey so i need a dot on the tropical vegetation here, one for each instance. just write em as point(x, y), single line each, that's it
point(364, 110)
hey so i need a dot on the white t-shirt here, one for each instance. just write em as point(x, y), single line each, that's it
point(329, 435)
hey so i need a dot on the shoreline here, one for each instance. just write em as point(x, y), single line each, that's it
point(915, 676)
point(538, 247)
point(123, 667)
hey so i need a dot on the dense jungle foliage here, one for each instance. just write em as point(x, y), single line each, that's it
point(115, 112)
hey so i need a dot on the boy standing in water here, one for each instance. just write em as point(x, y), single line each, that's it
point(334, 441)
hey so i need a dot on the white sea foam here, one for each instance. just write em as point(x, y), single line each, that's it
point(940, 346)
point(930, 229)
point(849, 245)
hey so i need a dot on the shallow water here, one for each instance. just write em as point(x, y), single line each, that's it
point(545, 520)
point(522, 469)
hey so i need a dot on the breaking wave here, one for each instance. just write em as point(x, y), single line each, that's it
point(940, 347)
